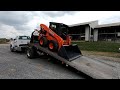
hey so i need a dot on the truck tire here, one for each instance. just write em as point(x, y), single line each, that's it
point(43, 41)
point(11, 49)
point(53, 46)
point(32, 53)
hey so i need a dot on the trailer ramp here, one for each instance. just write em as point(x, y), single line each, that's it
point(90, 67)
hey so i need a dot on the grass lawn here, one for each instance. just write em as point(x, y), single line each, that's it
point(97, 54)
point(98, 46)
point(1, 42)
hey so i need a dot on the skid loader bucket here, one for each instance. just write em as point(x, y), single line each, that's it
point(70, 52)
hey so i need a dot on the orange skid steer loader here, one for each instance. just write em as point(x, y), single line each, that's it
point(56, 38)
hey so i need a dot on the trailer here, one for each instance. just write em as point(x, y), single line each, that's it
point(90, 67)
point(56, 42)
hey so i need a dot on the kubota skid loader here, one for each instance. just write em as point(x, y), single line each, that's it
point(56, 38)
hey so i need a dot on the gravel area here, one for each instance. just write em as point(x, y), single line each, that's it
point(15, 65)
point(112, 61)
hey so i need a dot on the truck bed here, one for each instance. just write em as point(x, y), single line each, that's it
point(90, 67)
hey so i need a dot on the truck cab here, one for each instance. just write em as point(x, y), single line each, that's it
point(19, 43)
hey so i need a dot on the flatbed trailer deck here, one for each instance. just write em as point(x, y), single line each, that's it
point(90, 67)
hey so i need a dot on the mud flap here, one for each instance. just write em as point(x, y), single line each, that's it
point(70, 52)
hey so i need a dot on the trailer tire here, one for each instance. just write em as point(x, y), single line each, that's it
point(53, 45)
point(32, 53)
point(43, 41)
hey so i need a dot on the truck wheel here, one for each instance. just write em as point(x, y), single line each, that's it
point(53, 46)
point(43, 41)
point(31, 53)
point(11, 49)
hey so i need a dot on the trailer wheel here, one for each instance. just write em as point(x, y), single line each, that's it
point(31, 53)
point(43, 41)
point(53, 46)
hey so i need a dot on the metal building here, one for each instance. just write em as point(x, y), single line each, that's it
point(91, 31)
point(83, 31)
point(107, 32)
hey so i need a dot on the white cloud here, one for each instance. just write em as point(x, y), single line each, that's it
point(85, 16)
point(7, 31)
point(24, 22)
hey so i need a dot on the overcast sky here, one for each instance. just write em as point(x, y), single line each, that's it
point(13, 23)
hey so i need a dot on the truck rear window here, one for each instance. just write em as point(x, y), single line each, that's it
point(24, 37)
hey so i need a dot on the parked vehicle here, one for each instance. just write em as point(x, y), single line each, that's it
point(20, 43)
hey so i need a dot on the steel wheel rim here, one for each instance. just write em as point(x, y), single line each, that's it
point(41, 42)
point(28, 52)
point(51, 46)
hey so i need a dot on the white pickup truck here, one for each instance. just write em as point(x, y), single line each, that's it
point(19, 43)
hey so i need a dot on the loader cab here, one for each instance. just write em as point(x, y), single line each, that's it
point(60, 29)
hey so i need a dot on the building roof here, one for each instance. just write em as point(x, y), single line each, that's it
point(85, 23)
point(108, 25)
